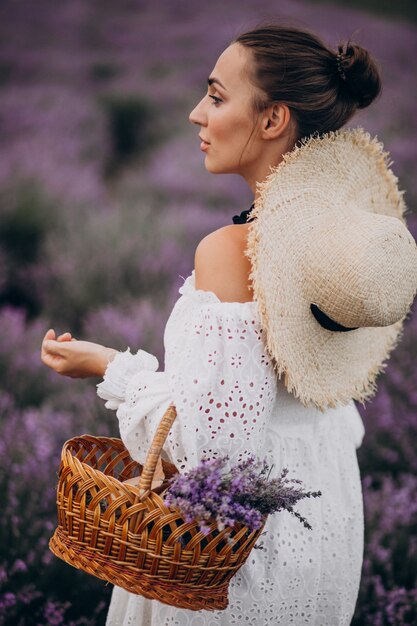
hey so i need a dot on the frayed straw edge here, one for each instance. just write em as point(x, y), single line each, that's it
point(362, 390)
point(356, 136)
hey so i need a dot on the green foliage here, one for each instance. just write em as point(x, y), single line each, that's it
point(103, 71)
point(131, 122)
point(27, 217)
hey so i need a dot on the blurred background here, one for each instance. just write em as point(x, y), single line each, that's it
point(103, 199)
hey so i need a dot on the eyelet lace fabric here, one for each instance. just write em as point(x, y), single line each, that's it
point(229, 401)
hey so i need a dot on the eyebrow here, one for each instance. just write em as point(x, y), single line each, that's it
point(212, 80)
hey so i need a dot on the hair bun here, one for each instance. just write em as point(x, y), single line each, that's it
point(359, 72)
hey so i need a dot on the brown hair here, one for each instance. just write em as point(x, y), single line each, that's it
point(322, 88)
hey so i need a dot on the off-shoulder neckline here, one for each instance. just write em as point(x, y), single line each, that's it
point(188, 288)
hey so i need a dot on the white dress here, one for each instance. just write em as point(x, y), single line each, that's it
point(229, 401)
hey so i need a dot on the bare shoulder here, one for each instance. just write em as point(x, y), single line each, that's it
point(221, 266)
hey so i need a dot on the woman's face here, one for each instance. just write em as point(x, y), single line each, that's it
point(226, 115)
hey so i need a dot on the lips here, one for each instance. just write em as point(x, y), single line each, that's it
point(204, 144)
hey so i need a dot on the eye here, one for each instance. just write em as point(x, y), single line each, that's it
point(216, 100)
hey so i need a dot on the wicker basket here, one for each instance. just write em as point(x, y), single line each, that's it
point(129, 537)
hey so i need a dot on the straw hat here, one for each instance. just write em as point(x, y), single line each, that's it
point(334, 267)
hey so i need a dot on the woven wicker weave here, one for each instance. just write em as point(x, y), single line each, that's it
point(129, 537)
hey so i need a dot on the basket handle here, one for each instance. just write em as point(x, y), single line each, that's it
point(156, 446)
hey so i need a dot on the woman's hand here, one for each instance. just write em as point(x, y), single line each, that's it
point(77, 359)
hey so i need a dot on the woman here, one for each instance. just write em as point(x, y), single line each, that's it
point(270, 88)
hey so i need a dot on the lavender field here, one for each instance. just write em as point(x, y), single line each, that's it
point(103, 199)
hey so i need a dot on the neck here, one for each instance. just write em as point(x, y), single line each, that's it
point(260, 175)
point(261, 168)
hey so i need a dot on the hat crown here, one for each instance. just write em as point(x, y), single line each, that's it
point(362, 269)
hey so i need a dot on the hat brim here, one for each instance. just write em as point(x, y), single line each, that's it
point(326, 174)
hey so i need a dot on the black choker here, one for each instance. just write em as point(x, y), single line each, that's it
point(243, 218)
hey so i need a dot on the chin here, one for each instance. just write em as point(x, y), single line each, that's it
point(214, 168)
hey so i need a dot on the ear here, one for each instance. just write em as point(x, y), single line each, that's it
point(275, 121)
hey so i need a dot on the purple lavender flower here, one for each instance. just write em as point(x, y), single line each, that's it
point(242, 495)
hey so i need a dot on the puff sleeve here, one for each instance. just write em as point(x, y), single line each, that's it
point(139, 394)
point(217, 373)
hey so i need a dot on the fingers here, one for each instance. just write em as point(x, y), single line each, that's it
point(64, 337)
point(55, 351)
point(50, 341)
point(50, 334)
point(50, 346)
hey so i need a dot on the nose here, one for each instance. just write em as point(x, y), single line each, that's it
point(197, 115)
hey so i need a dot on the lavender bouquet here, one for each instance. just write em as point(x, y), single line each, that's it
point(244, 494)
